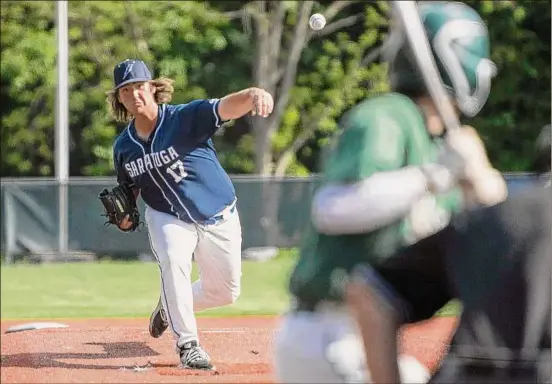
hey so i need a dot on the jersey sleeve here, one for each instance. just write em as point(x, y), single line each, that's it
point(120, 171)
point(370, 142)
point(200, 118)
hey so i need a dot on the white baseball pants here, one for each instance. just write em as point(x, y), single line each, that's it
point(217, 252)
point(325, 347)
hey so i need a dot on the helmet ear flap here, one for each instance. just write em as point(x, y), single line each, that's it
point(403, 73)
point(404, 76)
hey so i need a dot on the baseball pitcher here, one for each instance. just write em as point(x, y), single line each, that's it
point(167, 156)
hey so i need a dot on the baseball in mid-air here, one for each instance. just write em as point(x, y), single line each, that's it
point(317, 21)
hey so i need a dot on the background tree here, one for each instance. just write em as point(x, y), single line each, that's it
point(216, 47)
point(326, 63)
point(519, 104)
point(26, 88)
point(180, 40)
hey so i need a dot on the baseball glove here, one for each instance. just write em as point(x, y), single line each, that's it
point(118, 203)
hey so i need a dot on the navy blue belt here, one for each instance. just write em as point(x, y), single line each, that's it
point(221, 216)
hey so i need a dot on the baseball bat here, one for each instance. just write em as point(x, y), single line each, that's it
point(417, 39)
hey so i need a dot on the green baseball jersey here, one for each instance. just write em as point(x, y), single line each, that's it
point(381, 134)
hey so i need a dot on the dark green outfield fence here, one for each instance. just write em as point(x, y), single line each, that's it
point(273, 212)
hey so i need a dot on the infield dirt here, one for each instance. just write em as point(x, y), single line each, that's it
point(121, 351)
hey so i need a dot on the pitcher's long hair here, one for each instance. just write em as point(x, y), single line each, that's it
point(163, 94)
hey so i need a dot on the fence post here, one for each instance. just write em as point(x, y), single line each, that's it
point(11, 225)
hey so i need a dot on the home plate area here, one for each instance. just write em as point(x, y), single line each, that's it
point(121, 350)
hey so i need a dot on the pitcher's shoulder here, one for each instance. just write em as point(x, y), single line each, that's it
point(122, 140)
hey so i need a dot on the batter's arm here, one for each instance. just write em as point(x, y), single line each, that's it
point(369, 204)
point(378, 200)
point(367, 185)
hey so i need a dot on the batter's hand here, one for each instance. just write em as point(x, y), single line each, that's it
point(488, 185)
point(467, 143)
point(263, 104)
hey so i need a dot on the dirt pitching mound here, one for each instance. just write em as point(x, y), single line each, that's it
point(121, 351)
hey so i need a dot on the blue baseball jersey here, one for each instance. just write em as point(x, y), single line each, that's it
point(177, 170)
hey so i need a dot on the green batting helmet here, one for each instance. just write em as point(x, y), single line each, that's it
point(459, 41)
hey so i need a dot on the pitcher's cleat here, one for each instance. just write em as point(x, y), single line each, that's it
point(192, 356)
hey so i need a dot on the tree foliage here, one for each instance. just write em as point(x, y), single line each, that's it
point(217, 47)
point(519, 104)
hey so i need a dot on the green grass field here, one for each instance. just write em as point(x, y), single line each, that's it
point(130, 289)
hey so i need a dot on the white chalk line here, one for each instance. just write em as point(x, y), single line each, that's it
point(233, 330)
point(223, 330)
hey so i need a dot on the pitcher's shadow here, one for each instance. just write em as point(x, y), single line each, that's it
point(52, 359)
